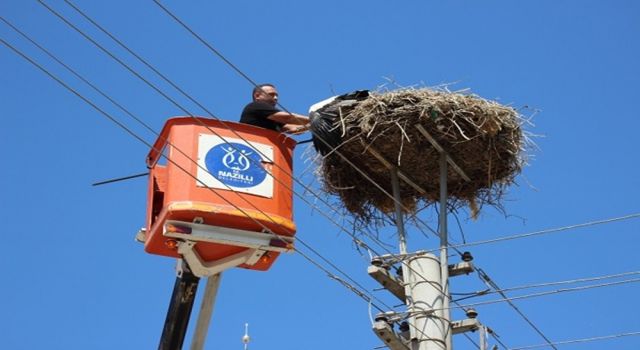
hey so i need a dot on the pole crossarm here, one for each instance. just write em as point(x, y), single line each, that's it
point(388, 281)
point(466, 325)
point(440, 149)
point(385, 332)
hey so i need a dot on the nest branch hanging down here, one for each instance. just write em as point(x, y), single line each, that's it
point(484, 138)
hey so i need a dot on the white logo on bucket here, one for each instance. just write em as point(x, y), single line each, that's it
point(234, 164)
point(241, 163)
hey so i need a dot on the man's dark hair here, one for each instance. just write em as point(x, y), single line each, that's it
point(259, 88)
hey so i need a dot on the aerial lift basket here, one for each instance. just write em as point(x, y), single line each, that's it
point(219, 195)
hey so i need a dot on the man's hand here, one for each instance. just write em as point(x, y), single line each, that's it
point(295, 129)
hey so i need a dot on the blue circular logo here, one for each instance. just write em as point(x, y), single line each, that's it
point(235, 164)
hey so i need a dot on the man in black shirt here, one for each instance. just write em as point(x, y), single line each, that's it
point(262, 112)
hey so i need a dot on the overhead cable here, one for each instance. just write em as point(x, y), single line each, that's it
point(578, 280)
point(558, 291)
point(490, 291)
point(493, 285)
point(546, 231)
point(583, 340)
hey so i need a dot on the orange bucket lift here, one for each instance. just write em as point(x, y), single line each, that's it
point(222, 198)
point(219, 196)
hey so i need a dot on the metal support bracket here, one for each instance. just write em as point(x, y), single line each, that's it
point(210, 268)
point(466, 325)
point(388, 281)
point(192, 232)
point(461, 268)
point(384, 331)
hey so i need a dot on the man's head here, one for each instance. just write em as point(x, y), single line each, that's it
point(265, 93)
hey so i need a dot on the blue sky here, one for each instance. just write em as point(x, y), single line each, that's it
point(75, 279)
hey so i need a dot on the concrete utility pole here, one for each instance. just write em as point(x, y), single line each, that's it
point(424, 292)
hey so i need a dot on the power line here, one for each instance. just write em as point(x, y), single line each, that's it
point(205, 43)
point(536, 295)
point(485, 277)
point(497, 338)
point(545, 284)
point(494, 285)
point(83, 79)
point(578, 280)
point(471, 340)
point(583, 340)
point(489, 281)
point(542, 232)
point(558, 291)
point(108, 116)
point(364, 296)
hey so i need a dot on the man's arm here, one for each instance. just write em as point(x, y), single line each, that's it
point(289, 118)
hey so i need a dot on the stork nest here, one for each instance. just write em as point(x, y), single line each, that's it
point(485, 139)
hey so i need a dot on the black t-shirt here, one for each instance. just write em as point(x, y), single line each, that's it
point(256, 113)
